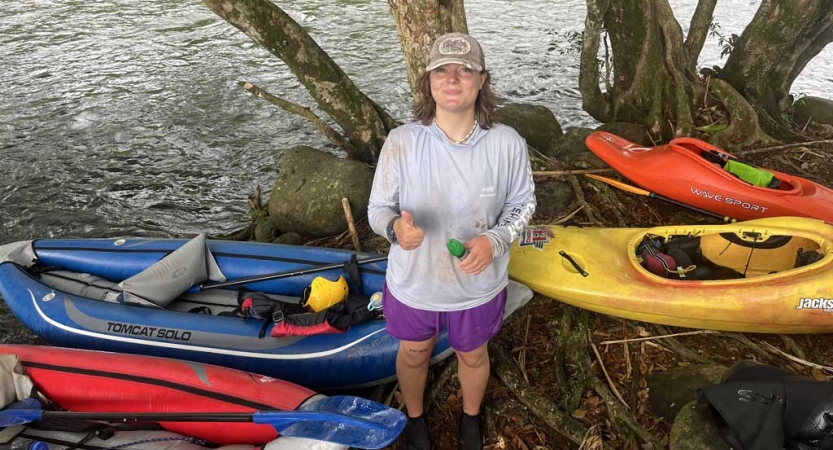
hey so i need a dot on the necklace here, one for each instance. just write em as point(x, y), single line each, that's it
point(468, 135)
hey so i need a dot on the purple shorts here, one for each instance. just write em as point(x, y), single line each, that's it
point(467, 329)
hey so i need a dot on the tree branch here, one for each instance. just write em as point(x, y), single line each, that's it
point(334, 137)
point(363, 122)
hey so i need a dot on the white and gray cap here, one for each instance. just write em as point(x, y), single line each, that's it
point(456, 48)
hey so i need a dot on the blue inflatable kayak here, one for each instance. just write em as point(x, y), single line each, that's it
point(67, 292)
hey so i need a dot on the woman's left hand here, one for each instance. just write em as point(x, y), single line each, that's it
point(479, 257)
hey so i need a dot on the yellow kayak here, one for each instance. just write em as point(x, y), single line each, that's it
point(771, 275)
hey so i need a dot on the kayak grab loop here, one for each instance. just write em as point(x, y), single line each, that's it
point(573, 262)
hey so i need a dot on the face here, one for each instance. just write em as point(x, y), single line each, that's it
point(454, 87)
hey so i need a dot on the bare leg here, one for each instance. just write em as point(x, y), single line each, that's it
point(412, 372)
point(473, 371)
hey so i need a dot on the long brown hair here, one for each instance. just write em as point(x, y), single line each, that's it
point(485, 107)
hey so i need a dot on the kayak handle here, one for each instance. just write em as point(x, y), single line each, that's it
point(573, 262)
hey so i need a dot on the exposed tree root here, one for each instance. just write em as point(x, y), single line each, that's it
point(440, 380)
point(588, 209)
point(743, 339)
point(561, 422)
point(744, 130)
point(776, 148)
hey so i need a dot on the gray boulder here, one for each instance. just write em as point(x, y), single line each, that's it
point(672, 389)
point(573, 153)
point(535, 123)
point(553, 199)
point(307, 195)
point(630, 131)
point(694, 429)
point(820, 110)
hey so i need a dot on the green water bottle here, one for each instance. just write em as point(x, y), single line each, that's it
point(457, 248)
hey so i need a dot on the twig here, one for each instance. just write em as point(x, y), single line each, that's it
point(563, 219)
point(782, 147)
point(558, 173)
point(351, 224)
point(541, 155)
point(627, 352)
point(652, 338)
point(604, 371)
point(392, 394)
point(655, 345)
point(795, 358)
point(681, 349)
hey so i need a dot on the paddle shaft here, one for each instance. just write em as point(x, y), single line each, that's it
point(640, 191)
point(693, 208)
point(277, 418)
point(287, 274)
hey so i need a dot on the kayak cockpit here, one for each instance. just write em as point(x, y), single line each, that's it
point(729, 165)
point(723, 255)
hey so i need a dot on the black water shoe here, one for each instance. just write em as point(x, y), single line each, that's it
point(470, 437)
point(418, 438)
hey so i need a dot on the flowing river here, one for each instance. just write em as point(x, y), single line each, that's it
point(124, 117)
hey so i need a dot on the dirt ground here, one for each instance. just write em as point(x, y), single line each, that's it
point(529, 340)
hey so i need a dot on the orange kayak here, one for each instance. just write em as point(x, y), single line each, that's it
point(681, 171)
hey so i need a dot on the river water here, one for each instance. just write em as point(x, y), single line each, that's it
point(124, 118)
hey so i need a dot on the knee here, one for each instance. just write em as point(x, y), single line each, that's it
point(474, 359)
point(415, 357)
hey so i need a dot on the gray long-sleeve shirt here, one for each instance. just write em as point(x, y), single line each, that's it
point(453, 191)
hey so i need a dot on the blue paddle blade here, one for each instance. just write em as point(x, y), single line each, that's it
point(346, 420)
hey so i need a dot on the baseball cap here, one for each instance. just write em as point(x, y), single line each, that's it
point(456, 48)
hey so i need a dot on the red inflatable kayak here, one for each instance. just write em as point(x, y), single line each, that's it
point(92, 381)
point(696, 173)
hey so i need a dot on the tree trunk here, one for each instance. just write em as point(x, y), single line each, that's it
point(698, 30)
point(654, 83)
point(418, 23)
point(774, 48)
point(364, 123)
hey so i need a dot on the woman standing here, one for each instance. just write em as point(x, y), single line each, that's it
point(453, 173)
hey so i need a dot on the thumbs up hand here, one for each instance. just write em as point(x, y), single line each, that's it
point(408, 235)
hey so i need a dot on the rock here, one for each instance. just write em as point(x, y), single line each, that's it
point(306, 198)
point(289, 239)
point(820, 110)
point(376, 243)
point(694, 429)
point(553, 198)
point(535, 123)
point(264, 229)
point(672, 389)
point(570, 150)
point(630, 131)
